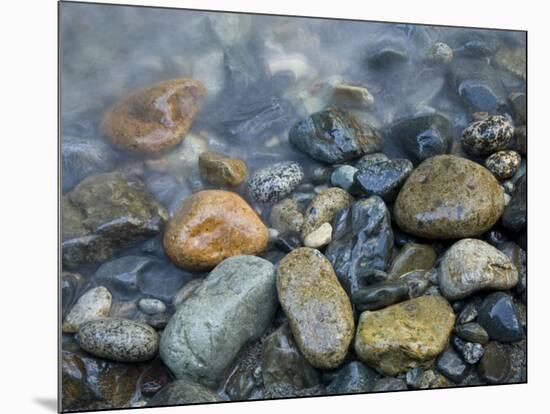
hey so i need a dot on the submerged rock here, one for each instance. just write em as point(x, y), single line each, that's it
point(318, 309)
point(210, 226)
point(449, 197)
point(495, 365)
point(154, 119)
point(488, 135)
point(514, 217)
point(384, 179)
point(412, 256)
point(235, 304)
point(334, 135)
point(183, 391)
point(92, 305)
point(286, 217)
point(352, 96)
point(218, 169)
point(276, 181)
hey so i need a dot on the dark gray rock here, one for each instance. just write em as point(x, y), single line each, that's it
point(384, 179)
point(469, 312)
point(367, 160)
point(343, 177)
point(334, 135)
point(472, 332)
point(362, 242)
point(354, 377)
point(389, 384)
point(499, 316)
point(276, 181)
point(70, 284)
point(414, 377)
point(514, 217)
point(494, 367)
point(288, 242)
point(183, 391)
point(379, 296)
point(451, 365)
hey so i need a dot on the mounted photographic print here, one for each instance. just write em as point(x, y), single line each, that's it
point(260, 207)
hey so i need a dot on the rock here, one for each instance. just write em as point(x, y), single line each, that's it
point(323, 208)
point(472, 332)
point(498, 315)
point(379, 295)
point(124, 310)
point(183, 391)
point(451, 365)
point(283, 365)
point(343, 177)
point(92, 305)
point(362, 242)
point(235, 304)
point(503, 164)
point(210, 226)
point(155, 377)
point(422, 137)
point(105, 214)
point(471, 352)
point(449, 197)
point(520, 136)
point(218, 169)
point(488, 135)
point(408, 335)
point(412, 256)
point(384, 179)
point(81, 157)
point(519, 105)
point(370, 159)
point(286, 216)
point(151, 306)
point(154, 119)
point(414, 377)
point(318, 309)
point(514, 217)
point(288, 242)
point(131, 277)
point(276, 181)
point(387, 56)
point(320, 175)
point(494, 366)
point(471, 265)
point(350, 96)
point(70, 285)
point(354, 377)
point(119, 340)
point(186, 291)
point(513, 59)
point(441, 53)
point(320, 237)
point(389, 384)
point(334, 135)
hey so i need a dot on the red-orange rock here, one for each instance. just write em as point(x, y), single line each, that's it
point(210, 226)
point(154, 119)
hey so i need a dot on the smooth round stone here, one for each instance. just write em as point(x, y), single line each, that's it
point(408, 335)
point(495, 365)
point(412, 256)
point(379, 296)
point(514, 217)
point(471, 265)
point(210, 226)
point(351, 96)
point(286, 216)
point(487, 135)
point(119, 340)
point(451, 365)
point(343, 177)
point(441, 52)
point(472, 332)
point(353, 378)
point(218, 169)
point(320, 237)
point(234, 305)
point(151, 306)
point(324, 207)
point(334, 135)
point(318, 309)
point(449, 197)
point(422, 137)
point(183, 391)
point(384, 178)
point(92, 305)
point(276, 181)
point(389, 384)
point(154, 119)
point(370, 159)
point(503, 164)
point(498, 315)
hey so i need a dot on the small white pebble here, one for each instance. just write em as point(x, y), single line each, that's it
point(319, 237)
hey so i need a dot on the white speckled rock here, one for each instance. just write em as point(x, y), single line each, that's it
point(471, 265)
point(92, 305)
point(276, 181)
point(319, 237)
point(487, 135)
point(503, 164)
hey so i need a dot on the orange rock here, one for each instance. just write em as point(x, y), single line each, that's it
point(210, 226)
point(154, 119)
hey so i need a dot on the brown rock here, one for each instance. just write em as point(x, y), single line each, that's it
point(217, 169)
point(324, 207)
point(154, 119)
point(210, 226)
point(412, 256)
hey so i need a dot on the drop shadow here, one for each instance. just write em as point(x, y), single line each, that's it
point(48, 403)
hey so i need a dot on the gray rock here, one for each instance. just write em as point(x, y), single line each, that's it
point(276, 181)
point(92, 305)
point(414, 377)
point(343, 177)
point(286, 216)
point(235, 304)
point(183, 391)
point(499, 316)
point(384, 178)
point(70, 284)
point(514, 217)
point(151, 306)
point(354, 377)
point(451, 365)
point(389, 384)
point(379, 296)
point(472, 332)
point(119, 340)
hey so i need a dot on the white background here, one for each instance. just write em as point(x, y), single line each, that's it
point(28, 163)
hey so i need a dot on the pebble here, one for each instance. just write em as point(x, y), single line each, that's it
point(449, 197)
point(151, 306)
point(472, 352)
point(234, 305)
point(154, 119)
point(276, 181)
point(221, 170)
point(469, 312)
point(92, 305)
point(503, 164)
point(289, 241)
point(487, 135)
point(210, 226)
point(514, 217)
point(370, 159)
point(472, 332)
point(320, 237)
point(408, 335)
point(334, 135)
point(183, 391)
point(498, 315)
point(323, 207)
point(412, 256)
point(354, 377)
point(389, 384)
point(494, 366)
point(343, 177)
point(384, 178)
point(351, 96)
point(286, 216)
point(119, 340)
point(441, 53)
point(414, 377)
point(379, 295)
point(318, 309)
point(70, 284)
point(451, 365)
point(471, 265)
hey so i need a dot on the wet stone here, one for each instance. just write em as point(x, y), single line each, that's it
point(343, 177)
point(514, 217)
point(183, 391)
point(351, 96)
point(451, 365)
point(151, 306)
point(221, 170)
point(498, 315)
point(384, 178)
point(494, 366)
point(414, 377)
point(92, 305)
point(379, 296)
point(155, 376)
point(412, 256)
point(288, 242)
point(276, 181)
point(472, 332)
point(70, 284)
point(503, 164)
point(389, 384)
point(487, 135)
point(354, 377)
point(441, 53)
point(286, 216)
point(469, 312)
point(323, 207)
point(320, 237)
point(370, 159)
point(334, 135)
